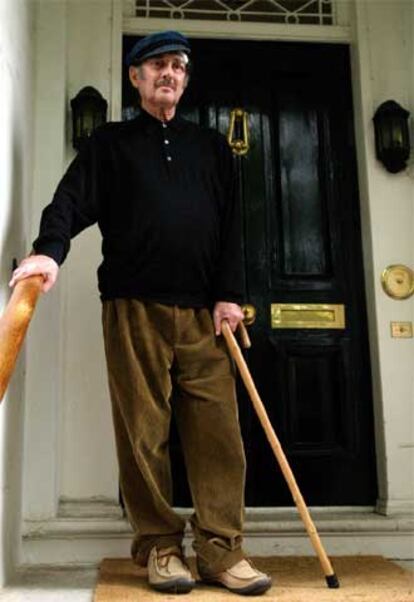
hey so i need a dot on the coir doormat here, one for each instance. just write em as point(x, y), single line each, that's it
point(295, 579)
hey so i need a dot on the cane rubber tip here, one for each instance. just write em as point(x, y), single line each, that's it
point(332, 581)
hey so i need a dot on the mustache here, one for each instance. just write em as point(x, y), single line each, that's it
point(165, 81)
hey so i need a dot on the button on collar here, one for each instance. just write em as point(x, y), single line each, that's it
point(151, 123)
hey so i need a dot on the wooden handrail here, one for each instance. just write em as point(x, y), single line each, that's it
point(14, 323)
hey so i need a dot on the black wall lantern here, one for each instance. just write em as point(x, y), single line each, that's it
point(88, 112)
point(392, 139)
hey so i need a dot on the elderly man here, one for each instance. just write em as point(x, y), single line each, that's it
point(161, 190)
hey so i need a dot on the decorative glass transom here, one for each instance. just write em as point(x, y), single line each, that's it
point(305, 12)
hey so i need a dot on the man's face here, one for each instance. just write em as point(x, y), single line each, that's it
point(161, 80)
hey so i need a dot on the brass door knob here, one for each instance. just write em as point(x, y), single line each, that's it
point(249, 313)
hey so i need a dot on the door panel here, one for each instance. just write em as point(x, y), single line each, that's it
point(302, 175)
point(297, 187)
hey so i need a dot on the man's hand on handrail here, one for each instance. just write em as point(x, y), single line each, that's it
point(37, 265)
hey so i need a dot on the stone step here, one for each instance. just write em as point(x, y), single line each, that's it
point(83, 532)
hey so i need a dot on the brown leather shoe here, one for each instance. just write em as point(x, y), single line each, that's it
point(168, 572)
point(242, 578)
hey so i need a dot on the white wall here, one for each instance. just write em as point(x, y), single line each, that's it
point(44, 341)
point(69, 446)
point(16, 123)
point(86, 417)
point(383, 63)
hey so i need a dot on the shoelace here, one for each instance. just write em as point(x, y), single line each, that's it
point(164, 555)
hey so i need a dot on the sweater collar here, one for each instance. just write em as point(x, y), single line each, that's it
point(150, 122)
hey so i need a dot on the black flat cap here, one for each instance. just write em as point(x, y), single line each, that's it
point(157, 43)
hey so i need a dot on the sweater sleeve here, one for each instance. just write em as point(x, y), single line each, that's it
point(74, 206)
point(229, 279)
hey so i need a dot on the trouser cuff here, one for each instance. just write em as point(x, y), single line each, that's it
point(216, 555)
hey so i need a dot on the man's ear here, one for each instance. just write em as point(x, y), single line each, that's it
point(134, 75)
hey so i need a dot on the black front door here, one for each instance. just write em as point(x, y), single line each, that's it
point(302, 246)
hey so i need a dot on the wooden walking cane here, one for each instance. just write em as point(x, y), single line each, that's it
point(331, 578)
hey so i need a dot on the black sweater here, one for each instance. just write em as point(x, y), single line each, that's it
point(163, 196)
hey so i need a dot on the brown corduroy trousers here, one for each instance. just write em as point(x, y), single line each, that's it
point(151, 348)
